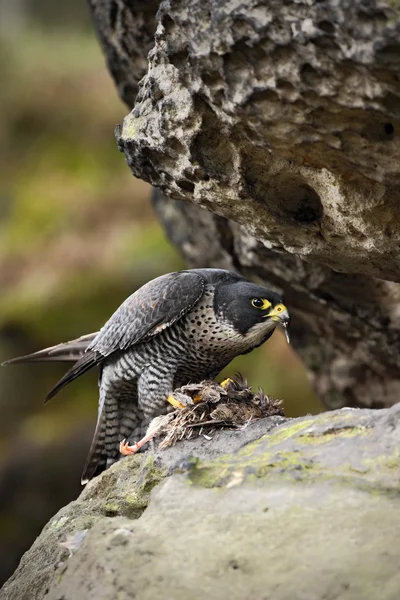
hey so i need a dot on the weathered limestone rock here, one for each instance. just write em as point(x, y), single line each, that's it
point(302, 508)
point(283, 120)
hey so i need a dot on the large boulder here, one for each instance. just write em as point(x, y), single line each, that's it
point(283, 509)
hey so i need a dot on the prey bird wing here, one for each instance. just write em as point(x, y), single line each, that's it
point(151, 309)
point(65, 352)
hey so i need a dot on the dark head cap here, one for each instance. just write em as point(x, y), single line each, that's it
point(246, 305)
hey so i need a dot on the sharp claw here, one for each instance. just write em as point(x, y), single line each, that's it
point(125, 448)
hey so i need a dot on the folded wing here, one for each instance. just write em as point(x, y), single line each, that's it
point(147, 312)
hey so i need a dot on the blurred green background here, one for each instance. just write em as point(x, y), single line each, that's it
point(77, 236)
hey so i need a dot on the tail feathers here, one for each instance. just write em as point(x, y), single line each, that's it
point(104, 450)
point(65, 352)
point(118, 420)
point(96, 460)
point(85, 363)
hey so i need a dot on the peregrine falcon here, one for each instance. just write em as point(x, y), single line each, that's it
point(178, 328)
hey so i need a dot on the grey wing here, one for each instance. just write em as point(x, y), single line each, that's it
point(65, 352)
point(146, 313)
point(150, 310)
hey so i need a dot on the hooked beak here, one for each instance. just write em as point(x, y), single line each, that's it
point(280, 315)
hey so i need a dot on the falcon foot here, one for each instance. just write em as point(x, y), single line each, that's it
point(226, 382)
point(179, 400)
point(126, 449)
point(155, 427)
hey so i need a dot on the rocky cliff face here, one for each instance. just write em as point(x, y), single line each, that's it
point(283, 122)
point(271, 131)
point(302, 508)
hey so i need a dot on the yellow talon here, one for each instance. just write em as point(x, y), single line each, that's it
point(226, 381)
point(172, 400)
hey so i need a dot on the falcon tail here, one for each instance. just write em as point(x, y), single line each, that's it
point(96, 460)
point(85, 363)
point(65, 352)
point(104, 449)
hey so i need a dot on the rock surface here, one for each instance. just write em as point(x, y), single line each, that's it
point(282, 119)
point(302, 508)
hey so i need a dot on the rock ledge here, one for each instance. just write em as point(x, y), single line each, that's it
point(287, 508)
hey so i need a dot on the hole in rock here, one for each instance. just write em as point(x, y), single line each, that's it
point(326, 26)
point(187, 186)
point(285, 196)
point(389, 129)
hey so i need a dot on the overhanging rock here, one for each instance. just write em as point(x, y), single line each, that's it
point(282, 117)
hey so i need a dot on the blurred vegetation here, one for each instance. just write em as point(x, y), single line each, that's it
point(77, 237)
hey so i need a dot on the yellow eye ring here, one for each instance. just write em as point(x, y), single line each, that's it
point(261, 303)
point(279, 309)
point(257, 302)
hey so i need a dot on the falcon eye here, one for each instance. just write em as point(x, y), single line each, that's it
point(257, 302)
point(279, 309)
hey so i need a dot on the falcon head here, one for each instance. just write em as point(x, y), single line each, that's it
point(251, 309)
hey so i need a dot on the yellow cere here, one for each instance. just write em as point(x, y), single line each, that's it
point(276, 311)
point(279, 308)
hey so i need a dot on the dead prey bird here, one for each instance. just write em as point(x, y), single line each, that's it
point(178, 328)
point(206, 407)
